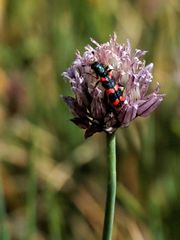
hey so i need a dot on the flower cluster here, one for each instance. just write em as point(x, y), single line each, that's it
point(90, 105)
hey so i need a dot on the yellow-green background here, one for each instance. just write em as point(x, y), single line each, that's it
point(52, 181)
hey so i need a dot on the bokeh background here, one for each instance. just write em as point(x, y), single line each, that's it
point(52, 181)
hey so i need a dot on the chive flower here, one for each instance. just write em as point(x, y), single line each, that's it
point(90, 105)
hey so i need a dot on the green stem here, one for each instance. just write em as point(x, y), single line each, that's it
point(111, 187)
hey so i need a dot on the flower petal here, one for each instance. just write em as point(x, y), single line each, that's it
point(81, 122)
point(74, 107)
point(130, 114)
point(91, 130)
point(98, 109)
point(149, 106)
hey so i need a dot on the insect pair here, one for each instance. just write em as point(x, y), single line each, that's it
point(113, 90)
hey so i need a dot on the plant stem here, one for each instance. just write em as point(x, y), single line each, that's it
point(111, 187)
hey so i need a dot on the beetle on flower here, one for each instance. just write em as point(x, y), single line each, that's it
point(91, 106)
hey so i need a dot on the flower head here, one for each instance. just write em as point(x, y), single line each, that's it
point(93, 106)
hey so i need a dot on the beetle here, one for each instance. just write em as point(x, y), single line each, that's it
point(113, 90)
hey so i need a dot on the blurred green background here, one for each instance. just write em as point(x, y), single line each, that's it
point(52, 181)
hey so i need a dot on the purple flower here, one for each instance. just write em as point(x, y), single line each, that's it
point(91, 106)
